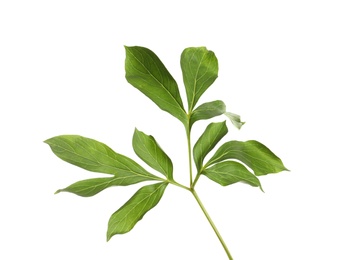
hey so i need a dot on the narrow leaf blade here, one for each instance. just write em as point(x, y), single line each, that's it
point(147, 73)
point(200, 70)
point(207, 141)
point(230, 172)
point(91, 187)
point(208, 110)
point(95, 156)
point(125, 218)
point(252, 153)
point(146, 147)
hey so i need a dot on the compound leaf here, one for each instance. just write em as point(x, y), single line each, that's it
point(229, 172)
point(95, 156)
point(207, 141)
point(200, 70)
point(252, 153)
point(146, 147)
point(147, 73)
point(125, 218)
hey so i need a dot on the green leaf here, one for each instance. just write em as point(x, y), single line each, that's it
point(229, 172)
point(90, 187)
point(125, 218)
point(147, 73)
point(207, 111)
point(200, 69)
point(207, 141)
point(146, 147)
point(252, 153)
point(95, 156)
point(235, 119)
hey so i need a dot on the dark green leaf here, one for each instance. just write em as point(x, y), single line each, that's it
point(252, 153)
point(147, 73)
point(235, 119)
point(207, 111)
point(146, 147)
point(95, 156)
point(90, 187)
point(229, 172)
point(200, 69)
point(207, 141)
point(125, 218)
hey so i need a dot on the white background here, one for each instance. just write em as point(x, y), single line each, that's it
point(62, 72)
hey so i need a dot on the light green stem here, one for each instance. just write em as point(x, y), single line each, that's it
point(212, 224)
point(189, 151)
point(196, 179)
point(192, 190)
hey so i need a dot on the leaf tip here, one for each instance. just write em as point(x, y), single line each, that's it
point(235, 119)
point(109, 236)
point(241, 124)
point(261, 188)
point(58, 191)
point(46, 141)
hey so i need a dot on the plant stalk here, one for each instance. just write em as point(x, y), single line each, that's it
point(212, 224)
point(189, 151)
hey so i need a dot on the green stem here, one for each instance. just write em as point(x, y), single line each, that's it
point(195, 181)
point(189, 151)
point(212, 224)
point(179, 185)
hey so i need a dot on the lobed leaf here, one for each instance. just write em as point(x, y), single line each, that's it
point(147, 73)
point(207, 141)
point(252, 153)
point(95, 156)
point(229, 172)
point(125, 218)
point(207, 110)
point(146, 147)
point(200, 70)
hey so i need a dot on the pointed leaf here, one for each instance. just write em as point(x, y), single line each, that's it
point(95, 156)
point(252, 153)
point(229, 172)
point(207, 141)
point(146, 147)
point(90, 187)
point(125, 218)
point(200, 69)
point(235, 119)
point(147, 73)
point(207, 111)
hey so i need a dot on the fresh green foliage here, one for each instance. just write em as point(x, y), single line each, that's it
point(146, 147)
point(200, 69)
point(252, 153)
point(207, 141)
point(207, 111)
point(146, 72)
point(125, 218)
point(90, 187)
point(98, 157)
point(229, 172)
point(227, 166)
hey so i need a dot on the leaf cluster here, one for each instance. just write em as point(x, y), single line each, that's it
point(232, 162)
